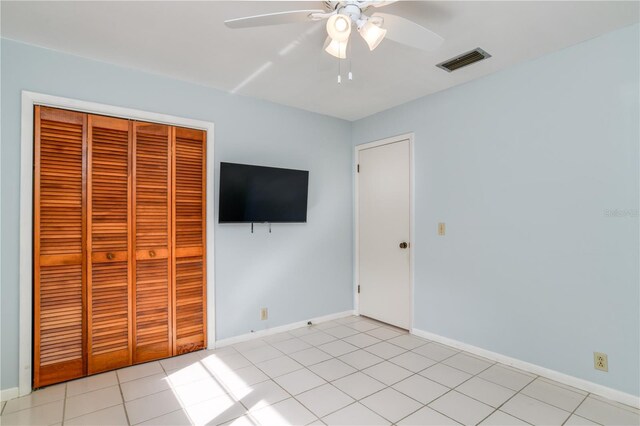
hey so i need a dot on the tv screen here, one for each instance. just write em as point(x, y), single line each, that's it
point(255, 194)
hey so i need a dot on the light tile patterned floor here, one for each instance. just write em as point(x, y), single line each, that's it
point(352, 371)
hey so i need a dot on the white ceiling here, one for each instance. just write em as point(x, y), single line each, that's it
point(286, 64)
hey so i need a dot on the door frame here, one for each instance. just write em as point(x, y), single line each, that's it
point(29, 100)
point(393, 139)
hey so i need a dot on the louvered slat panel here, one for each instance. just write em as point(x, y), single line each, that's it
point(189, 234)
point(190, 305)
point(152, 310)
point(109, 308)
point(109, 302)
point(152, 316)
point(60, 140)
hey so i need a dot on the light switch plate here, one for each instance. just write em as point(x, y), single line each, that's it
point(441, 228)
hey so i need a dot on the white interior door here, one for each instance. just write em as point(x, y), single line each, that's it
point(384, 225)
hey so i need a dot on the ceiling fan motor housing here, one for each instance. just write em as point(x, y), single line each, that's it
point(352, 10)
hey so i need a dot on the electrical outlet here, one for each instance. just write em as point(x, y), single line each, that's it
point(264, 314)
point(600, 361)
point(441, 228)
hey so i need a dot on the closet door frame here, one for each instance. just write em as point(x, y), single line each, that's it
point(26, 261)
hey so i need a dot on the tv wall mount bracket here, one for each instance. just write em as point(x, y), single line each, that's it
point(268, 223)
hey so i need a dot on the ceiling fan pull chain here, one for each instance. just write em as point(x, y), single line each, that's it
point(339, 71)
point(349, 56)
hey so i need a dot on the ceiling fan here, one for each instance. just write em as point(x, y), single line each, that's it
point(343, 16)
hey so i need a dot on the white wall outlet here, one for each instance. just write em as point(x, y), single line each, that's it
point(600, 361)
point(264, 314)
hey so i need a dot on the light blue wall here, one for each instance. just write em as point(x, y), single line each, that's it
point(298, 271)
point(522, 166)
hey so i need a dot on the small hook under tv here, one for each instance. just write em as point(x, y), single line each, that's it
point(268, 223)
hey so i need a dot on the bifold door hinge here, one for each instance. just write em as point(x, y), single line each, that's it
point(358, 288)
point(358, 168)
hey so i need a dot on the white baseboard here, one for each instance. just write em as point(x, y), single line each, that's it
point(585, 385)
point(7, 394)
point(269, 331)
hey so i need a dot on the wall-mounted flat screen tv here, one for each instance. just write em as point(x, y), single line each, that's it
point(256, 194)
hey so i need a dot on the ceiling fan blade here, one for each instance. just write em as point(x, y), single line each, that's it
point(404, 31)
point(277, 18)
point(382, 3)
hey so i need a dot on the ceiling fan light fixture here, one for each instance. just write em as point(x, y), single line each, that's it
point(372, 34)
point(337, 48)
point(339, 27)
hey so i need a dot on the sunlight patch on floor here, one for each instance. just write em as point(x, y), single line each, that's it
point(210, 392)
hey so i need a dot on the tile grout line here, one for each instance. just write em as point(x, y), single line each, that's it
point(85, 393)
point(285, 390)
point(450, 390)
point(541, 401)
point(143, 396)
point(405, 350)
point(460, 384)
point(225, 388)
point(576, 409)
point(64, 404)
point(509, 399)
point(392, 388)
point(536, 377)
point(124, 407)
point(153, 393)
point(418, 374)
point(615, 404)
point(519, 392)
point(548, 403)
point(272, 379)
point(547, 380)
point(357, 370)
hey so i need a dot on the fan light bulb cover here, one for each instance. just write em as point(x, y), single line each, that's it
point(372, 34)
point(339, 27)
point(337, 49)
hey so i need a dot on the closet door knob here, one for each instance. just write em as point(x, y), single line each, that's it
point(110, 256)
point(152, 253)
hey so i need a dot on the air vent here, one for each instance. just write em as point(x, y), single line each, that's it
point(463, 60)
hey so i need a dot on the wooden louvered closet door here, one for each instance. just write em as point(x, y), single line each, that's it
point(189, 268)
point(119, 243)
point(59, 267)
point(152, 200)
point(109, 287)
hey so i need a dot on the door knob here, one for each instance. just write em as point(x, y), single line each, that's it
point(152, 253)
point(404, 245)
point(110, 256)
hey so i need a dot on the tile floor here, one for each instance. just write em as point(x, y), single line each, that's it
point(352, 371)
